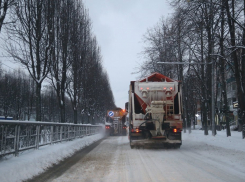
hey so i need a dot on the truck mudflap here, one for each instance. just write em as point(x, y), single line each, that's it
point(155, 143)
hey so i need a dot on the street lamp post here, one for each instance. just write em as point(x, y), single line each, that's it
point(212, 94)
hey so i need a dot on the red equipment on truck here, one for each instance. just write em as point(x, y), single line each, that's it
point(154, 109)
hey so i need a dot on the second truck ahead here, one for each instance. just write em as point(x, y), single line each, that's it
point(115, 122)
point(155, 109)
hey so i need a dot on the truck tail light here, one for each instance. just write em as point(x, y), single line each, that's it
point(175, 130)
point(137, 130)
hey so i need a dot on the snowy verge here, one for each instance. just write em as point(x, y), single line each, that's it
point(33, 162)
point(234, 142)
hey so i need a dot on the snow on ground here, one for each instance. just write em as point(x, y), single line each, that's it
point(220, 139)
point(33, 162)
point(196, 160)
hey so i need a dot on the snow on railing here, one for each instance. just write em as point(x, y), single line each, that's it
point(16, 136)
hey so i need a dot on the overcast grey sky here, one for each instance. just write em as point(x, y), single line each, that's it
point(119, 26)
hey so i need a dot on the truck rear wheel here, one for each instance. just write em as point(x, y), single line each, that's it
point(177, 146)
point(130, 141)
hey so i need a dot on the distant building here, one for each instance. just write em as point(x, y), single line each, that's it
point(231, 90)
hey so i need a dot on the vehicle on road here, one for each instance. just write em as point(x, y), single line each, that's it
point(154, 110)
point(115, 122)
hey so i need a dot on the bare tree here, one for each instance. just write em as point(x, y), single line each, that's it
point(239, 65)
point(4, 6)
point(60, 63)
point(222, 62)
point(199, 36)
point(31, 42)
point(54, 38)
point(79, 50)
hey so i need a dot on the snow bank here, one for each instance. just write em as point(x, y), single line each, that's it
point(33, 162)
point(234, 142)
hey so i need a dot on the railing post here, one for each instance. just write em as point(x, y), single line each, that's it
point(61, 128)
point(2, 139)
point(15, 140)
point(37, 136)
point(45, 133)
point(56, 133)
point(74, 131)
point(17, 137)
point(51, 134)
point(5, 141)
point(68, 132)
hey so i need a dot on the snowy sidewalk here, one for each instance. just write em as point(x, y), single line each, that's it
point(234, 142)
point(33, 162)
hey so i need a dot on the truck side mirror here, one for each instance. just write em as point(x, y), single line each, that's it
point(126, 106)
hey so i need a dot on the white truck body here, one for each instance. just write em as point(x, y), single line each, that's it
point(155, 110)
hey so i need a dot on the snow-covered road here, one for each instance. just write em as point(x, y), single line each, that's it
point(200, 158)
point(113, 160)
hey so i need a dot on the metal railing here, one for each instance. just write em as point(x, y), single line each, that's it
point(16, 136)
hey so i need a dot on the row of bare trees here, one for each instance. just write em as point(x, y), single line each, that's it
point(16, 95)
point(201, 32)
point(53, 40)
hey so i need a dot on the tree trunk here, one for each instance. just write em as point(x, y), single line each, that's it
point(203, 90)
point(75, 116)
point(62, 113)
point(38, 101)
